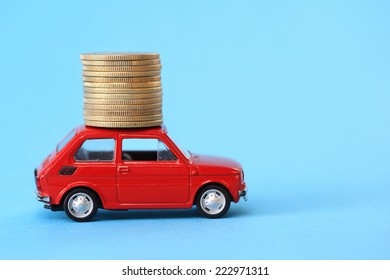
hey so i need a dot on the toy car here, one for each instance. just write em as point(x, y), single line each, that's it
point(121, 169)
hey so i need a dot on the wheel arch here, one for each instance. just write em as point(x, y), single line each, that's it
point(211, 184)
point(81, 187)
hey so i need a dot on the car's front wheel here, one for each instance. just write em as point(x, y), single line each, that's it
point(213, 201)
point(81, 205)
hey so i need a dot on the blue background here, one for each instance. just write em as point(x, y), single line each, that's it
point(297, 91)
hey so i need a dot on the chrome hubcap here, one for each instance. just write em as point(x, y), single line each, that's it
point(213, 202)
point(80, 205)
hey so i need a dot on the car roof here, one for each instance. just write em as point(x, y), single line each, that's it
point(98, 131)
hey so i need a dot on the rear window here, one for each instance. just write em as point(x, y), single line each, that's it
point(66, 140)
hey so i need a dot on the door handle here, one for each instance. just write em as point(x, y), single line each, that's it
point(123, 169)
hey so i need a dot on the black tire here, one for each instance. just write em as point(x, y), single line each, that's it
point(81, 205)
point(213, 201)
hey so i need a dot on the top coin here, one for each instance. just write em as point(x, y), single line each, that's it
point(119, 56)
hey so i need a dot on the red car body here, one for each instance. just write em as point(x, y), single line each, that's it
point(79, 173)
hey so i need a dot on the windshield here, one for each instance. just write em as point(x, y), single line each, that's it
point(66, 140)
point(185, 152)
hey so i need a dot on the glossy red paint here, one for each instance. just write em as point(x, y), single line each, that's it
point(120, 183)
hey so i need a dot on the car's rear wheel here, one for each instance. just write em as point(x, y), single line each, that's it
point(81, 205)
point(213, 201)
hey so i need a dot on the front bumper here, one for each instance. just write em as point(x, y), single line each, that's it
point(243, 193)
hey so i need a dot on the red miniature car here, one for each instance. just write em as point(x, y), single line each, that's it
point(120, 169)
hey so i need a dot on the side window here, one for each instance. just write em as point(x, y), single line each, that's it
point(148, 149)
point(163, 153)
point(96, 150)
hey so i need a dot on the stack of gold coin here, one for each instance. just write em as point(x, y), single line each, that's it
point(122, 89)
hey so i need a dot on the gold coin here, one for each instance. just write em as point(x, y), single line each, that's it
point(122, 96)
point(121, 107)
point(138, 101)
point(123, 118)
point(119, 56)
point(123, 85)
point(122, 90)
point(124, 124)
point(121, 62)
point(127, 74)
point(121, 80)
point(122, 113)
point(122, 68)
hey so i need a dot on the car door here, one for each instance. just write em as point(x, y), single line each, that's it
point(148, 172)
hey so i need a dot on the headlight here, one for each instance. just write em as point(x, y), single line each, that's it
point(242, 175)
